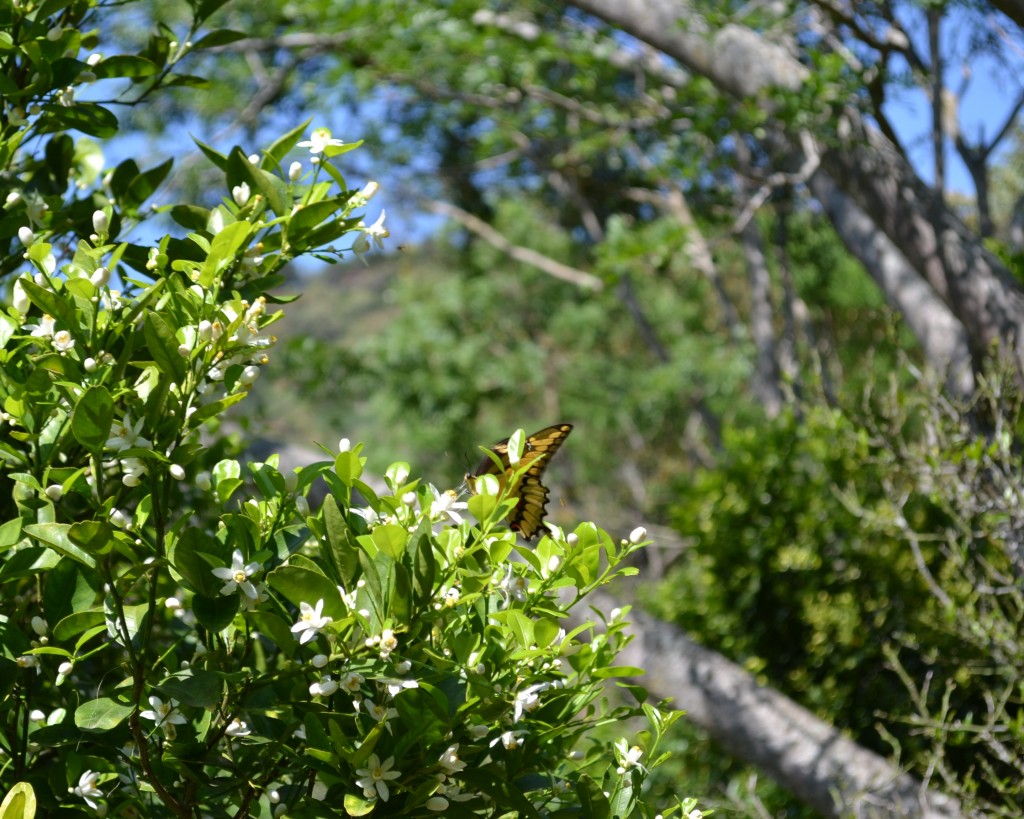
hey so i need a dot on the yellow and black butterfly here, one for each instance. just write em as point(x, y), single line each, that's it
point(528, 514)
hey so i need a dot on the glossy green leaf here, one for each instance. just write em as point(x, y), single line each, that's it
point(55, 535)
point(19, 803)
point(103, 713)
point(299, 585)
point(196, 687)
point(93, 417)
point(215, 613)
point(163, 346)
point(77, 623)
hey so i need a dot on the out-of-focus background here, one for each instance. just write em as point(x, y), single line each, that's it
point(765, 257)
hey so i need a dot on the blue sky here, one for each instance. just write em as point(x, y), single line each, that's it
point(989, 95)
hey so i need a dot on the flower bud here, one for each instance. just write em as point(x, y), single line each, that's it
point(638, 535)
point(295, 171)
point(249, 374)
point(100, 277)
point(26, 236)
point(100, 222)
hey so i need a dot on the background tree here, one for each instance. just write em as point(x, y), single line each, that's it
point(727, 189)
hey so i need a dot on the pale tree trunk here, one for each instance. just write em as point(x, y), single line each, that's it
point(805, 755)
point(767, 375)
point(976, 287)
point(941, 335)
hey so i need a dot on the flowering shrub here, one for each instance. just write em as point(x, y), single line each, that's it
point(181, 634)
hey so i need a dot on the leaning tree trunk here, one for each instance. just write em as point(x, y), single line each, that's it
point(972, 283)
point(804, 754)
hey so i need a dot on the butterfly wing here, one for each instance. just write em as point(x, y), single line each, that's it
point(528, 515)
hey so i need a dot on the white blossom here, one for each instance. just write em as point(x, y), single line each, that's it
point(237, 576)
point(87, 789)
point(374, 778)
point(311, 621)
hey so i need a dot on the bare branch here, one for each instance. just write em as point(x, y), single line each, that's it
point(479, 227)
point(780, 179)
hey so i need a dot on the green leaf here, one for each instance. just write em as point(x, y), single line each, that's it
point(216, 157)
point(10, 533)
point(87, 117)
point(122, 176)
point(205, 9)
point(593, 802)
point(545, 630)
point(423, 565)
point(20, 802)
point(60, 591)
point(55, 535)
point(50, 303)
point(103, 714)
point(28, 562)
point(281, 146)
point(145, 184)
point(185, 81)
point(274, 628)
point(134, 620)
point(518, 623)
point(340, 552)
point(215, 613)
point(92, 418)
point(163, 346)
point(272, 187)
point(194, 556)
point(196, 687)
point(305, 586)
point(401, 597)
point(214, 408)
point(618, 671)
point(77, 623)
point(191, 217)
point(128, 66)
point(307, 218)
point(95, 536)
point(223, 250)
point(220, 37)
point(358, 805)
point(348, 466)
point(390, 539)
